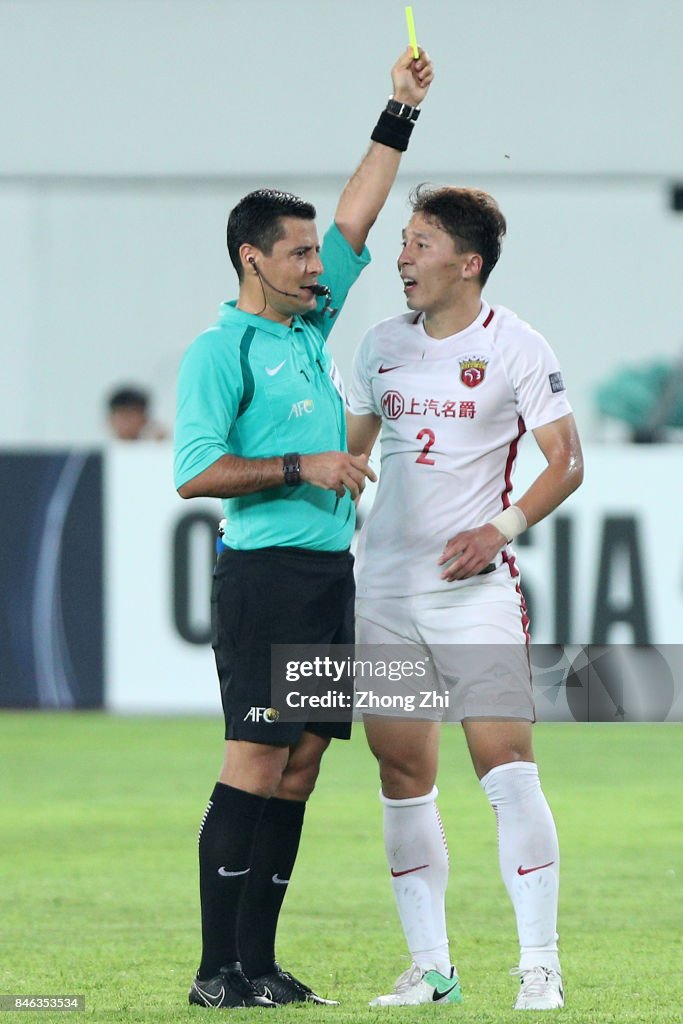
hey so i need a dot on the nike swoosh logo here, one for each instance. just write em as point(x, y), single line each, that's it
point(527, 871)
point(280, 881)
point(388, 369)
point(232, 874)
point(208, 998)
point(441, 995)
point(408, 871)
point(276, 369)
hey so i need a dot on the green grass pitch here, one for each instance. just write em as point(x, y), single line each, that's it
point(99, 819)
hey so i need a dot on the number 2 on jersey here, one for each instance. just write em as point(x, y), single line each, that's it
point(423, 457)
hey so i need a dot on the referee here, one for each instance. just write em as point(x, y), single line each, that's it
point(260, 424)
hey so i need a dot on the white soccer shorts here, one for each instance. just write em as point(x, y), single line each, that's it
point(473, 639)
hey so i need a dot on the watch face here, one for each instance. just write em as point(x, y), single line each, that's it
point(291, 467)
point(403, 110)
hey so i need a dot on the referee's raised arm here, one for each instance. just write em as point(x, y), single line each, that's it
point(260, 424)
point(273, 245)
point(366, 191)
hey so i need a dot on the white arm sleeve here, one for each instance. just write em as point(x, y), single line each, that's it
point(536, 377)
point(361, 398)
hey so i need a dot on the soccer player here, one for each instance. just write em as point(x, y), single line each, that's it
point(452, 385)
point(260, 423)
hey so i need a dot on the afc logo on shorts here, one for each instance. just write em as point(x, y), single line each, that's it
point(262, 715)
point(393, 404)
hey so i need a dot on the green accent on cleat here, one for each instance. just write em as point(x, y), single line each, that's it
point(446, 990)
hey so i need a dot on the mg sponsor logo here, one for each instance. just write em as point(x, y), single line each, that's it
point(393, 404)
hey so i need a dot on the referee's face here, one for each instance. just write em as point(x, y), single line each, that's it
point(293, 264)
point(431, 268)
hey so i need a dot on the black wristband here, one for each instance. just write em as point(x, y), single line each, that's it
point(291, 468)
point(393, 131)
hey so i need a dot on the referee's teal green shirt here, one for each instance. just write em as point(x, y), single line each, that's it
point(255, 388)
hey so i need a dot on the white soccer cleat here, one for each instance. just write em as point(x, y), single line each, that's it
point(417, 985)
point(540, 988)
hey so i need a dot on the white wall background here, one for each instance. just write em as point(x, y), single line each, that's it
point(150, 667)
point(129, 128)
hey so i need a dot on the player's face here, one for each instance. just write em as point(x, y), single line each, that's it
point(431, 269)
point(293, 263)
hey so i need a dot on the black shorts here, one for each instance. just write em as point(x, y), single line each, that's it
point(275, 596)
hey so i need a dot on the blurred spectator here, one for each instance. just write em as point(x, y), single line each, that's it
point(647, 397)
point(129, 417)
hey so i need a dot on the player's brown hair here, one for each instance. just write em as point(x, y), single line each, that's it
point(471, 217)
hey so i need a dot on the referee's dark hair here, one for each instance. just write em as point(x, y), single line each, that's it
point(256, 219)
point(471, 217)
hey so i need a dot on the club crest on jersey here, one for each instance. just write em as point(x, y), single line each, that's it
point(472, 371)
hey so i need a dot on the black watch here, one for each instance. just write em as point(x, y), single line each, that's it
point(402, 110)
point(291, 467)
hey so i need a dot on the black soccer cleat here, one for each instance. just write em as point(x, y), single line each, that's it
point(283, 987)
point(229, 988)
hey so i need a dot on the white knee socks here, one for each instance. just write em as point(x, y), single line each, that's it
point(418, 858)
point(529, 858)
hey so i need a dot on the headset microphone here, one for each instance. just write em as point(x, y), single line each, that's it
point(322, 289)
point(317, 289)
point(290, 295)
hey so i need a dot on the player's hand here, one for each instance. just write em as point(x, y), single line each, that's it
point(471, 551)
point(337, 471)
point(411, 78)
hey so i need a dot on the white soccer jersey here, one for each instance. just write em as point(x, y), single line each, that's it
point(453, 412)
